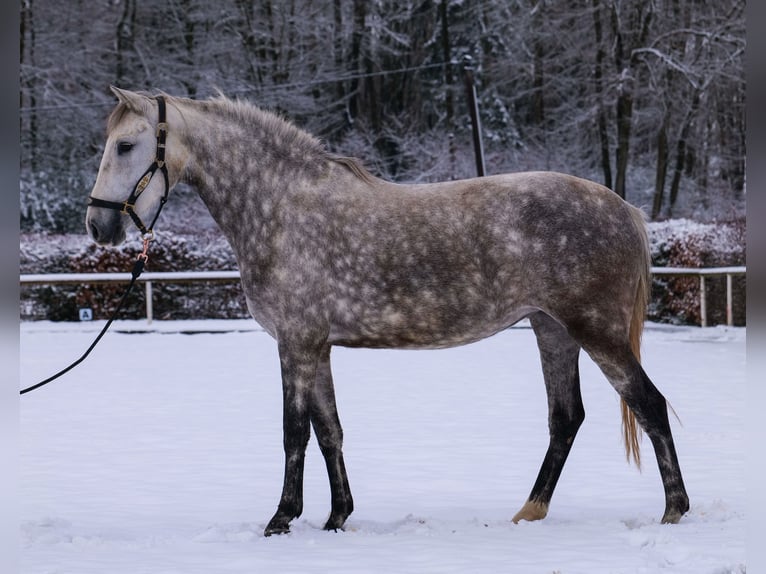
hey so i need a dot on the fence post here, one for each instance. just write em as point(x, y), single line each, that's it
point(703, 303)
point(149, 306)
point(729, 310)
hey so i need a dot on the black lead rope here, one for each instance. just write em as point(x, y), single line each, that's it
point(138, 268)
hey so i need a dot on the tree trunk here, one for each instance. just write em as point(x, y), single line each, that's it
point(624, 125)
point(662, 167)
point(598, 73)
point(339, 41)
point(681, 151)
point(124, 42)
point(538, 78)
point(626, 60)
point(357, 37)
point(449, 80)
point(269, 51)
point(188, 35)
point(249, 45)
point(28, 86)
point(371, 83)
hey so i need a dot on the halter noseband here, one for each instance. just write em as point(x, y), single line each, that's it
point(129, 204)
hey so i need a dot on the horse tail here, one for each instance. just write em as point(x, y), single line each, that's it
point(630, 430)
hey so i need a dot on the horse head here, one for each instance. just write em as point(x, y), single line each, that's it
point(135, 174)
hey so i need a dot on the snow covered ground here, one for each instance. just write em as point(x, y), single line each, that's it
point(162, 454)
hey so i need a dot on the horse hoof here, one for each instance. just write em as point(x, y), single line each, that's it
point(277, 526)
point(531, 511)
point(276, 530)
point(672, 517)
point(335, 524)
point(675, 509)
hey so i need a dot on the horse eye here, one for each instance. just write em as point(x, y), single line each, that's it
point(124, 147)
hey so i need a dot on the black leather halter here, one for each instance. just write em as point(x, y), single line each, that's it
point(128, 206)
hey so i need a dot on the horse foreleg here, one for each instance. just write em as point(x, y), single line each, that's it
point(326, 423)
point(559, 356)
point(299, 367)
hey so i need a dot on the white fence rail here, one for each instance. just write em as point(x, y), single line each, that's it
point(149, 278)
point(729, 272)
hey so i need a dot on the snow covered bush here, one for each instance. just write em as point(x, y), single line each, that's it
point(170, 252)
point(686, 243)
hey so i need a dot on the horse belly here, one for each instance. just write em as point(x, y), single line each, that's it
point(431, 319)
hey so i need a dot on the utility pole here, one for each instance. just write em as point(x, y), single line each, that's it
point(473, 107)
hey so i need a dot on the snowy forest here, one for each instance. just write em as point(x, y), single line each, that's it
point(647, 97)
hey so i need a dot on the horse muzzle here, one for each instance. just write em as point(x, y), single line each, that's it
point(106, 229)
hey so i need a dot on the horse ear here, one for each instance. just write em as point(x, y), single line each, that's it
point(136, 102)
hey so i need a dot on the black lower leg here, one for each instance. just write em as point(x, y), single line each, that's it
point(652, 414)
point(649, 406)
point(342, 504)
point(299, 365)
point(559, 356)
point(291, 502)
point(562, 435)
point(326, 423)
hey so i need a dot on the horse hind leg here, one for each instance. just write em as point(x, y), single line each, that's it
point(559, 356)
point(327, 427)
point(624, 372)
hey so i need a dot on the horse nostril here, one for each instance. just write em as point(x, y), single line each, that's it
point(93, 228)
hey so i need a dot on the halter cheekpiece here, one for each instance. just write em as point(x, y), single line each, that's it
point(128, 206)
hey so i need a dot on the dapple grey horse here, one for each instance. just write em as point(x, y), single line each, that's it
point(331, 255)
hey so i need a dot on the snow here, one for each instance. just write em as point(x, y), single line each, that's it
point(162, 454)
point(723, 239)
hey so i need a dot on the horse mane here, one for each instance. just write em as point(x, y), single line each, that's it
point(355, 166)
point(245, 112)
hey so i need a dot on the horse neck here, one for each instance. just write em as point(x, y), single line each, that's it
point(241, 165)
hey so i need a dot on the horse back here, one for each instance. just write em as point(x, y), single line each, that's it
point(437, 265)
